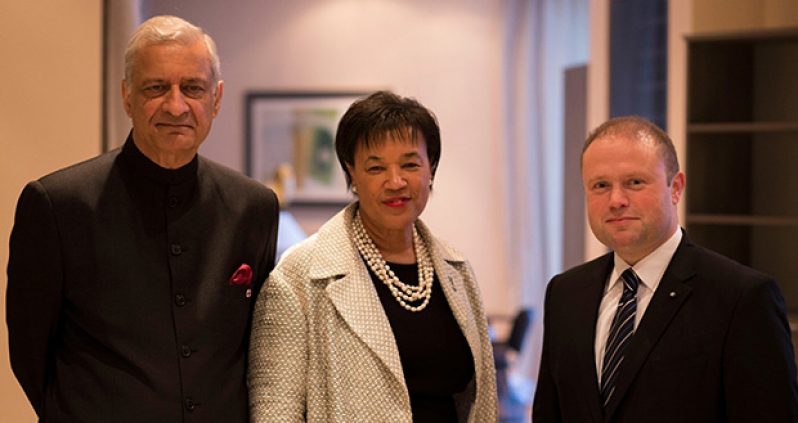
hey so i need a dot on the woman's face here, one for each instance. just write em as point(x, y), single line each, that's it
point(392, 179)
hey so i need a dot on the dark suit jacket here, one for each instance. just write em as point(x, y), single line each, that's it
point(119, 306)
point(713, 346)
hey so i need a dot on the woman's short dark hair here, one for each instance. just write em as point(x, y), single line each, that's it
point(370, 119)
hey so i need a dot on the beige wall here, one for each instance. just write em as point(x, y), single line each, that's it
point(49, 117)
point(598, 91)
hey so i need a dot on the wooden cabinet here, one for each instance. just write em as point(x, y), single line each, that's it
point(742, 150)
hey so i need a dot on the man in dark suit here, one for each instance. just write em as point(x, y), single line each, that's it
point(660, 329)
point(132, 276)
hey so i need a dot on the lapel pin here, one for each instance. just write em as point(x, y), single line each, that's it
point(672, 294)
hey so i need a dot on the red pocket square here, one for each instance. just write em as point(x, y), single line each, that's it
point(242, 276)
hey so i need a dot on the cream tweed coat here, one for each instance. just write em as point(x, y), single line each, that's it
point(322, 349)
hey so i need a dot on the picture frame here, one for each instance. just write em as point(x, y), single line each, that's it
point(293, 133)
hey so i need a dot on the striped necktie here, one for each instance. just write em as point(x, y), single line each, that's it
point(621, 331)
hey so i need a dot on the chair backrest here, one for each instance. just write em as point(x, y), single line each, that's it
point(519, 329)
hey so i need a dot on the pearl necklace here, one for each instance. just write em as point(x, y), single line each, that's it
point(402, 292)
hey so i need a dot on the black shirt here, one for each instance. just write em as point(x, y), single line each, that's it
point(435, 355)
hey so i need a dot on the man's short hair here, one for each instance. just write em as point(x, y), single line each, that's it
point(639, 129)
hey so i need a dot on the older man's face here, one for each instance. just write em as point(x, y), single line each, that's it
point(172, 101)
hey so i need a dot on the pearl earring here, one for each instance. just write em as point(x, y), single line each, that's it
point(354, 189)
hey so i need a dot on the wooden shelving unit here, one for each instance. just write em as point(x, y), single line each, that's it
point(742, 150)
point(741, 127)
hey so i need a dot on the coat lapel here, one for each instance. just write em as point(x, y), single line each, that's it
point(669, 297)
point(446, 262)
point(356, 300)
point(351, 291)
point(587, 311)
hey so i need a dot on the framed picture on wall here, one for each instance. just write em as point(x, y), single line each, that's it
point(290, 137)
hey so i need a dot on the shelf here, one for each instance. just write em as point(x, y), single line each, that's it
point(760, 35)
point(733, 219)
point(741, 127)
point(741, 147)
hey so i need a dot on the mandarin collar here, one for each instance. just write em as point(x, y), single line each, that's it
point(142, 165)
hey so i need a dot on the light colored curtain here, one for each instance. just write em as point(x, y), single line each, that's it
point(121, 19)
point(542, 39)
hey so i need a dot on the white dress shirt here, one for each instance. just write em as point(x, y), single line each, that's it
point(650, 270)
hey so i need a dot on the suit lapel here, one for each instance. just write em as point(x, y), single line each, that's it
point(669, 297)
point(351, 291)
point(587, 311)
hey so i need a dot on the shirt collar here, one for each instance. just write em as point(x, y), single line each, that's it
point(651, 268)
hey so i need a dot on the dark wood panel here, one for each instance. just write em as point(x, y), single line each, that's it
point(742, 150)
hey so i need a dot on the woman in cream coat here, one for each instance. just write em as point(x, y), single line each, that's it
point(373, 319)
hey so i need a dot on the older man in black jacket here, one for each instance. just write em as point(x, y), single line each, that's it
point(132, 275)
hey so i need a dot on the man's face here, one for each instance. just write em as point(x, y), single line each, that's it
point(630, 203)
point(171, 100)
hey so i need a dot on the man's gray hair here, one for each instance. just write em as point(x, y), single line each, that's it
point(163, 29)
